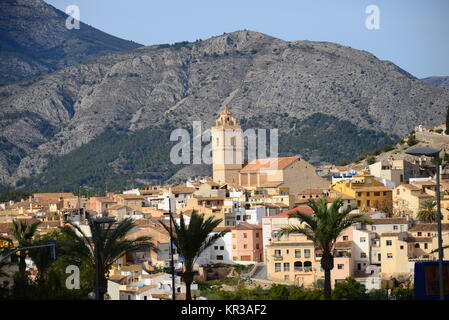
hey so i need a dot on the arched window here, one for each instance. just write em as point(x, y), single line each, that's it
point(416, 245)
point(307, 266)
point(298, 266)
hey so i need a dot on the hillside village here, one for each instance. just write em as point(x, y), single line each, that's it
point(254, 203)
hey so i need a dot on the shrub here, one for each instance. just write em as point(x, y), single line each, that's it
point(349, 289)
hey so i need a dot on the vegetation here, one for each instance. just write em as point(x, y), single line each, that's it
point(108, 242)
point(192, 240)
point(428, 212)
point(349, 289)
point(323, 228)
point(411, 140)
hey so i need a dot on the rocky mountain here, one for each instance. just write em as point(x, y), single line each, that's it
point(34, 40)
point(108, 120)
point(442, 82)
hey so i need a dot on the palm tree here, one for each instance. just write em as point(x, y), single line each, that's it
point(428, 212)
point(323, 228)
point(23, 235)
point(5, 248)
point(109, 242)
point(192, 240)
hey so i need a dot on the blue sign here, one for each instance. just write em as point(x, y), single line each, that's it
point(426, 280)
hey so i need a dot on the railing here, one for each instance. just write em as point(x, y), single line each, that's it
point(308, 269)
point(298, 269)
point(277, 257)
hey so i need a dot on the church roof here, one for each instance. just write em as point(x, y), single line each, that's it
point(269, 163)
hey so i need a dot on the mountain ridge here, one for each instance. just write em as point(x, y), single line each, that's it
point(254, 74)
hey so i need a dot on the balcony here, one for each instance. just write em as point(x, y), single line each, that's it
point(277, 257)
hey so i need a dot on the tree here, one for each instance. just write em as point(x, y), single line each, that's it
point(411, 140)
point(108, 241)
point(349, 289)
point(192, 240)
point(22, 235)
point(323, 228)
point(428, 212)
point(370, 159)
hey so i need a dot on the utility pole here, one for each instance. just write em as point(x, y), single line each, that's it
point(171, 249)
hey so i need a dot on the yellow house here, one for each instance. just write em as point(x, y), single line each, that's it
point(394, 253)
point(408, 199)
point(368, 192)
point(292, 260)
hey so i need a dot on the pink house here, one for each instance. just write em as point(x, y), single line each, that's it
point(247, 242)
point(343, 257)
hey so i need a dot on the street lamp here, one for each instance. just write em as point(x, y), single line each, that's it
point(99, 221)
point(434, 153)
point(170, 199)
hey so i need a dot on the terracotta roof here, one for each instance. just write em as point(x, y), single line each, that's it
point(409, 186)
point(423, 183)
point(429, 227)
point(272, 184)
point(390, 234)
point(220, 229)
point(118, 278)
point(139, 289)
point(311, 191)
point(419, 239)
point(302, 209)
point(130, 197)
point(343, 245)
point(183, 190)
point(389, 221)
point(54, 195)
point(247, 226)
point(269, 163)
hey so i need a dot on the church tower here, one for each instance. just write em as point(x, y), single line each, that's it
point(227, 148)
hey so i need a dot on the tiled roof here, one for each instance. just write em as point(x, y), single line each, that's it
point(343, 245)
point(271, 184)
point(419, 239)
point(389, 221)
point(389, 234)
point(247, 226)
point(182, 189)
point(371, 189)
point(429, 227)
point(268, 163)
point(302, 209)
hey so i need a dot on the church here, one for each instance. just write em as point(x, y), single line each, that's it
point(228, 167)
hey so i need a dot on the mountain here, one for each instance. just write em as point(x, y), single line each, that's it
point(442, 82)
point(34, 40)
point(108, 120)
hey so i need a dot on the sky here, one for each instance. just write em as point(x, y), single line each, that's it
point(413, 34)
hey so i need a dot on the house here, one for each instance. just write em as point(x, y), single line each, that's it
point(247, 244)
point(368, 192)
point(396, 171)
point(408, 199)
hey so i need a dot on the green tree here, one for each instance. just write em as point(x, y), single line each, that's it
point(370, 159)
point(192, 240)
point(323, 228)
point(349, 289)
point(108, 241)
point(411, 140)
point(278, 292)
point(428, 212)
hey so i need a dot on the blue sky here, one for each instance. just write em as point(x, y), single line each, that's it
point(414, 34)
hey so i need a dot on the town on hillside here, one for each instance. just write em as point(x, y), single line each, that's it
point(392, 201)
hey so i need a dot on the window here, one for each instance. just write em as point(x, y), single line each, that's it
point(389, 256)
point(419, 234)
point(245, 246)
point(359, 194)
point(234, 246)
point(376, 194)
point(401, 247)
point(233, 235)
point(362, 255)
point(297, 253)
point(362, 239)
point(277, 267)
point(340, 266)
point(359, 203)
point(287, 251)
point(395, 227)
point(220, 257)
point(286, 277)
point(389, 242)
point(237, 217)
point(345, 238)
point(368, 202)
point(277, 252)
point(257, 234)
point(416, 245)
point(373, 227)
point(221, 247)
point(257, 246)
point(297, 266)
point(286, 266)
point(425, 245)
point(216, 247)
point(245, 235)
point(367, 194)
point(385, 193)
point(307, 253)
